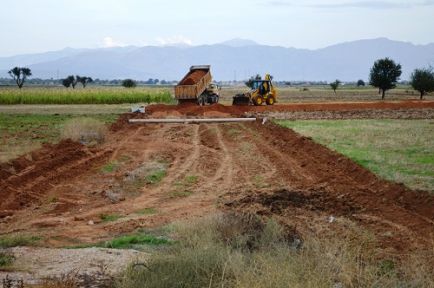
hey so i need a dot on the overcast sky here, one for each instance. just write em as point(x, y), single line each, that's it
point(44, 25)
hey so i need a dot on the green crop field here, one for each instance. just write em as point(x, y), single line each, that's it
point(91, 95)
point(397, 150)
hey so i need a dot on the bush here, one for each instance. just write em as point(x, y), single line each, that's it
point(18, 240)
point(6, 259)
point(129, 83)
point(85, 130)
point(238, 250)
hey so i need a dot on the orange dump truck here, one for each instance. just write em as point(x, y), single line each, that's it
point(197, 87)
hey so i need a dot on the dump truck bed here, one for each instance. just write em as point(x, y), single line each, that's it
point(194, 83)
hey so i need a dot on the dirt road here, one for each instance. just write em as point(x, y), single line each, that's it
point(151, 175)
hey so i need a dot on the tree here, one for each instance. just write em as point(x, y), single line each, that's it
point(129, 83)
point(84, 80)
point(335, 85)
point(20, 74)
point(69, 81)
point(422, 80)
point(252, 79)
point(384, 75)
point(360, 83)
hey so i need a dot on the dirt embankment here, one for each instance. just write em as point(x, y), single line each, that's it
point(61, 191)
point(336, 186)
point(26, 178)
point(343, 110)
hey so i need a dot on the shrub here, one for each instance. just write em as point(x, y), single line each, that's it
point(85, 130)
point(18, 240)
point(238, 250)
point(6, 259)
point(129, 83)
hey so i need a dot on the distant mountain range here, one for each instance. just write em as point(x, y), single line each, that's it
point(235, 59)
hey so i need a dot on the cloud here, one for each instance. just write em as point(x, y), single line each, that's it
point(359, 4)
point(177, 40)
point(109, 42)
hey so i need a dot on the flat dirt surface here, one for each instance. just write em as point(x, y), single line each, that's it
point(34, 264)
point(61, 191)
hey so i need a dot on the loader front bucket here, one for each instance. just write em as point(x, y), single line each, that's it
point(241, 100)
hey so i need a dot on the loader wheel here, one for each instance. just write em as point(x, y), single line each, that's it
point(258, 101)
point(270, 101)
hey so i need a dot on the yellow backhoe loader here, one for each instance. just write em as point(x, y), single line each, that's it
point(262, 92)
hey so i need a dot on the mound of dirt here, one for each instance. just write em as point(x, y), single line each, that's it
point(193, 110)
point(193, 77)
point(24, 180)
point(277, 201)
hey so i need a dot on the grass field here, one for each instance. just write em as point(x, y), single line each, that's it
point(397, 150)
point(96, 95)
point(118, 95)
point(325, 93)
point(22, 133)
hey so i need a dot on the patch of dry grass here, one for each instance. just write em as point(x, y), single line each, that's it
point(85, 130)
point(239, 251)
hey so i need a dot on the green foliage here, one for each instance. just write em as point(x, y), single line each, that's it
point(360, 83)
point(384, 75)
point(335, 85)
point(84, 80)
point(20, 74)
point(147, 211)
point(236, 250)
point(129, 83)
point(83, 96)
point(6, 259)
point(422, 80)
point(25, 132)
point(109, 217)
point(155, 176)
point(110, 167)
point(18, 240)
point(69, 81)
point(132, 241)
point(397, 150)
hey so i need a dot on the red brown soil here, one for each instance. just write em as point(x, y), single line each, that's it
point(263, 169)
point(193, 77)
point(191, 109)
point(25, 179)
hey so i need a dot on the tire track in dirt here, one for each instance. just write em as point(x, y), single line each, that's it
point(223, 176)
point(303, 183)
point(401, 218)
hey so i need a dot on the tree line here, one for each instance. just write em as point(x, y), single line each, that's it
point(384, 75)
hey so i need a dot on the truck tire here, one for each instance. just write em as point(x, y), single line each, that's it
point(270, 101)
point(201, 100)
point(258, 101)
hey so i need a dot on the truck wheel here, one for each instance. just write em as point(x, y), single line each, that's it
point(258, 101)
point(201, 101)
point(270, 101)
